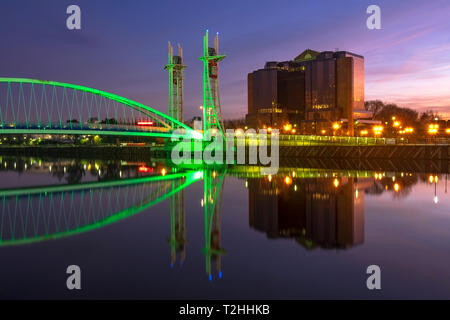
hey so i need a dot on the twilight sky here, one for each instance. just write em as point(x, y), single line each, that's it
point(122, 46)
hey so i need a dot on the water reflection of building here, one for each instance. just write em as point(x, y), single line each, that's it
point(316, 212)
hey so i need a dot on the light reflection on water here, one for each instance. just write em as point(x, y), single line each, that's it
point(158, 233)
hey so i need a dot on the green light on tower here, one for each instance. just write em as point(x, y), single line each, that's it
point(212, 112)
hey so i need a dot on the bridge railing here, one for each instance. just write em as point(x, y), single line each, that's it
point(84, 126)
point(300, 140)
point(304, 140)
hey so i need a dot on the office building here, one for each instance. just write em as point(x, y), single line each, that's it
point(313, 93)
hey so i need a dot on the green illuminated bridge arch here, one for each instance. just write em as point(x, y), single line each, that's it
point(30, 106)
point(30, 215)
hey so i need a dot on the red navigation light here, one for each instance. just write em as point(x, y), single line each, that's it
point(145, 169)
point(145, 123)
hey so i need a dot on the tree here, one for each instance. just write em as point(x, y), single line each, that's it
point(234, 124)
point(373, 106)
point(109, 121)
point(93, 120)
point(404, 115)
point(429, 116)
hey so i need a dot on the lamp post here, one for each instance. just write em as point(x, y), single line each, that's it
point(378, 130)
point(336, 127)
point(433, 130)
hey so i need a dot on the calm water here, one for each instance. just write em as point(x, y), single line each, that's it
point(144, 230)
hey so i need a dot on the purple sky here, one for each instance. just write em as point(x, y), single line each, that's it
point(122, 46)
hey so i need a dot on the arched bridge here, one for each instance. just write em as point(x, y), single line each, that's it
point(29, 106)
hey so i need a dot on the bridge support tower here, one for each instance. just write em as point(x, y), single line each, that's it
point(212, 112)
point(175, 68)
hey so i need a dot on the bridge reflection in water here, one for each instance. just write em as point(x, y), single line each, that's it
point(318, 208)
point(40, 213)
point(50, 212)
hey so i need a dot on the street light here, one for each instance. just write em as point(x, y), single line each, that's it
point(378, 130)
point(433, 128)
point(288, 180)
point(336, 183)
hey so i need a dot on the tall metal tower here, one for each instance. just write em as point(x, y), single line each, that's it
point(212, 112)
point(175, 67)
